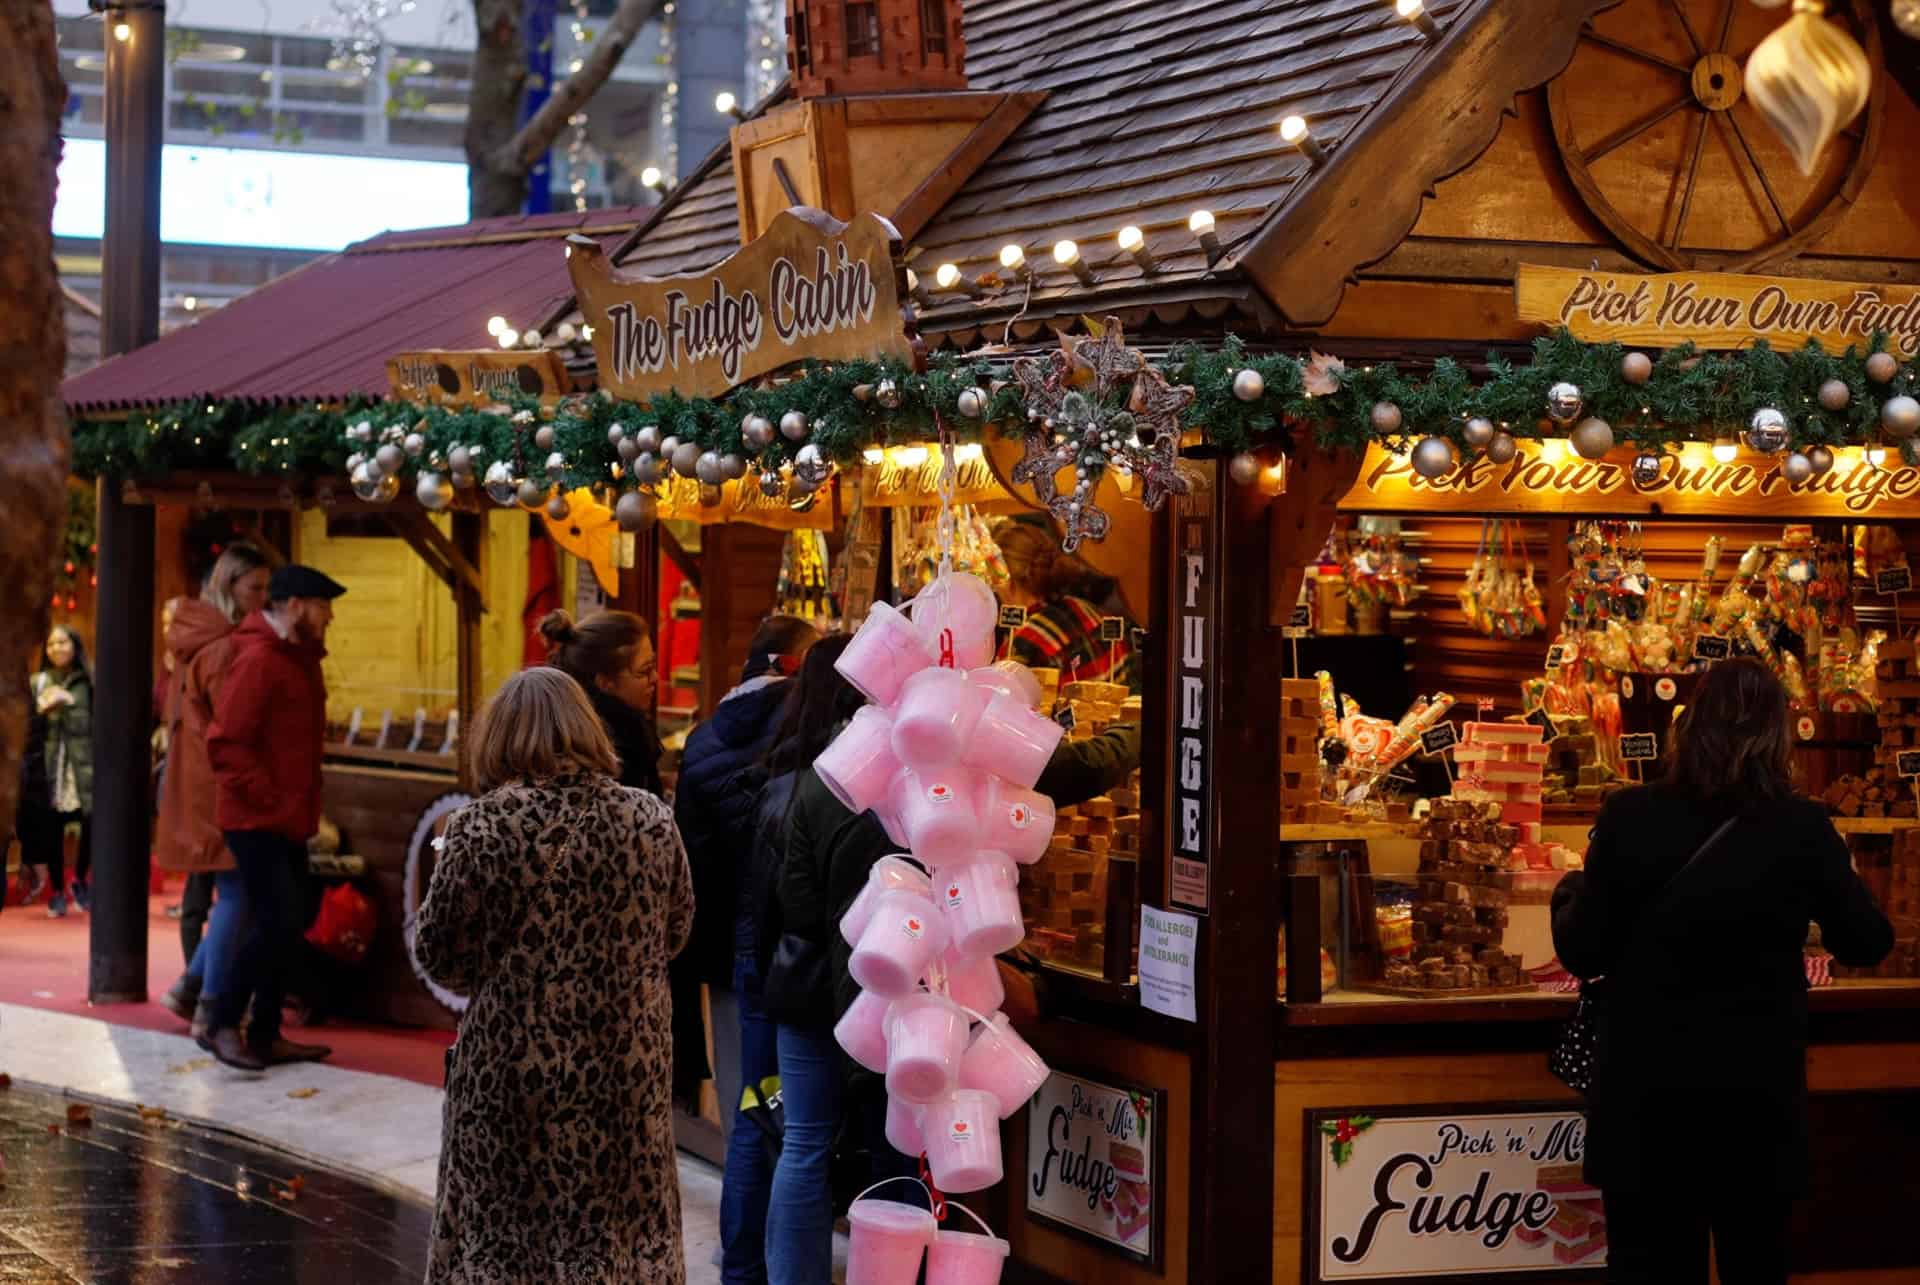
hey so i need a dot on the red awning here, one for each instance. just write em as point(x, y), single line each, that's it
point(324, 331)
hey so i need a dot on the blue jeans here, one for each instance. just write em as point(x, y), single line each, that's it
point(748, 1183)
point(800, 1210)
point(268, 867)
point(227, 927)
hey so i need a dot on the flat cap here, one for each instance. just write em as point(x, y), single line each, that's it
point(296, 581)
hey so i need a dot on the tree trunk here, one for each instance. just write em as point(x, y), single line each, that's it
point(493, 111)
point(33, 348)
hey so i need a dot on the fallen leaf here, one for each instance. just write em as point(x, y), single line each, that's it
point(301, 1093)
point(291, 1192)
point(79, 1115)
point(153, 1115)
point(190, 1065)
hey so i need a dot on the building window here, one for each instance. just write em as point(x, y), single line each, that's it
point(933, 28)
point(863, 30)
point(802, 47)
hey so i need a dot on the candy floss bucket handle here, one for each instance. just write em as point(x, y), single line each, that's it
point(978, 1221)
point(899, 1177)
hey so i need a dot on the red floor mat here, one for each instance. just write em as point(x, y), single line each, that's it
point(43, 964)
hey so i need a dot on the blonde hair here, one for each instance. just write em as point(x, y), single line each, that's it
point(235, 561)
point(540, 724)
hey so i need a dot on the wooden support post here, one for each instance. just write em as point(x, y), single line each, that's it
point(469, 539)
point(1303, 939)
point(122, 720)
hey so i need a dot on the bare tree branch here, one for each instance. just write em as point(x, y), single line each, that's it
point(609, 47)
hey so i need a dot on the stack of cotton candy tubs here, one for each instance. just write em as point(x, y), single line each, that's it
point(947, 755)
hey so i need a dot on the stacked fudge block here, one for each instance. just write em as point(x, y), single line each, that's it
point(1460, 902)
point(1299, 750)
point(1575, 772)
point(1502, 763)
point(1578, 1229)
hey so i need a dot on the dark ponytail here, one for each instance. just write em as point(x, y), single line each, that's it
point(600, 646)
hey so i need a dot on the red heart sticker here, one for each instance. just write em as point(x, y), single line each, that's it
point(953, 890)
point(939, 793)
point(959, 1126)
point(913, 925)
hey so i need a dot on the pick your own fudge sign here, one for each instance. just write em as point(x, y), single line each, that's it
point(1092, 1160)
point(809, 287)
point(1475, 1191)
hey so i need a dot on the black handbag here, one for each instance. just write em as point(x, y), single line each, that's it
point(1574, 1056)
point(799, 983)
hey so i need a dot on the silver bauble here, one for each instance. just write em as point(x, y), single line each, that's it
point(433, 491)
point(793, 426)
point(502, 486)
point(543, 437)
point(1820, 458)
point(1906, 16)
point(1900, 416)
point(558, 508)
point(1479, 432)
point(362, 432)
point(686, 458)
point(757, 432)
point(1591, 438)
point(647, 438)
point(799, 485)
point(1502, 448)
point(1249, 385)
point(1432, 457)
point(1636, 368)
point(1834, 394)
point(708, 469)
point(556, 466)
point(1796, 468)
point(636, 511)
point(1244, 468)
point(389, 458)
point(887, 393)
point(769, 483)
point(971, 403)
point(1386, 417)
point(1768, 431)
point(372, 484)
point(668, 445)
point(710, 495)
point(393, 433)
point(415, 444)
point(1564, 401)
point(628, 450)
point(733, 466)
point(647, 469)
point(1646, 469)
point(532, 494)
point(1882, 366)
point(811, 464)
point(616, 434)
point(355, 460)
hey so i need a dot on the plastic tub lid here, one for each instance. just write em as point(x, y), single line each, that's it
point(890, 1217)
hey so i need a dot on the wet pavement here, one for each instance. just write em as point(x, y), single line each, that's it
point(127, 1200)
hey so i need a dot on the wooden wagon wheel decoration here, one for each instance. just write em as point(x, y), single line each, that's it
point(1694, 55)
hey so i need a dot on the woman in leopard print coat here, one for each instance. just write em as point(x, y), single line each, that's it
point(558, 899)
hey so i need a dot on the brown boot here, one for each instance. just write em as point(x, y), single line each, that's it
point(202, 1020)
point(226, 1045)
point(282, 1051)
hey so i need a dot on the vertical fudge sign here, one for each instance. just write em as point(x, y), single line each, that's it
point(1189, 885)
point(811, 287)
point(1433, 1192)
point(1091, 1161)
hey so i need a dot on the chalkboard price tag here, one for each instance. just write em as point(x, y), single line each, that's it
point(1065, 717)
point(1294, 631)
point(1113, 629)
point(1556, 655)
point(1439, 739)
point(1893, 580)
point(1544, 721)
point(1137, 638)
point(1909, 762)
point(1712, 647)
point(1639, 747)
point(1301, 618)
point(1012, 617)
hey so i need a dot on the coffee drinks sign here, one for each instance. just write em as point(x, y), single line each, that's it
point(1718, 309)
point(444, 378)
point(1548, 477)
point(810, 287)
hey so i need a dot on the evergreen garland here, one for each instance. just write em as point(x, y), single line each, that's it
point(1689, 396)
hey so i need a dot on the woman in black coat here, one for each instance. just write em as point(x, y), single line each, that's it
point(1698, 1111)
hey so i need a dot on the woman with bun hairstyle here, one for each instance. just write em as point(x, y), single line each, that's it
point(610, 654)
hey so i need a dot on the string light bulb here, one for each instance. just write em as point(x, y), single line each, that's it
point(495, 325)
point(1200, 223)
point(1294, 131)
point(727, 105)
point(1067, 255)
point(1014, 259)
point(651, 177)
point(949, 277)
point(508, 338)
point(1724, 449)
point(1134, 242)
point(1415, 11)
point(1876, 455)
point(123, 32)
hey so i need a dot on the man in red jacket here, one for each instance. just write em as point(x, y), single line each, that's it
point(264, 744)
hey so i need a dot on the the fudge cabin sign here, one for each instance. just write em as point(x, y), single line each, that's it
point(1548, 477)
point(1718, 309)
point(810, 287)
point(444, 378)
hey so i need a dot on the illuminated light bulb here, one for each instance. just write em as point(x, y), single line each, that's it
point(1416, 13)
point(1724, 449)
point(1200, 223)
point(508, 338)
point(1134, 242)
point(1876, 455)
point(727, 105)
point(1294, 130)
point(910, 456)
point(1067, 255)
point(586, 332)
point(651, 176)
point(190, 302)
point(532, 339)
point(1014, 260)
point(873, 455)
point(495, 325)
point(122, 32)
point(1551, 449)
point(968, 452)
point(946, 276)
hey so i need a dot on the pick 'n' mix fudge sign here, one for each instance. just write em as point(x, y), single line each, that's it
point(1092, 1160)
point(1436, 1192)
